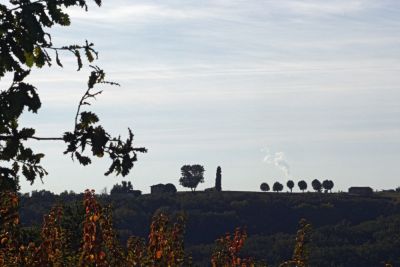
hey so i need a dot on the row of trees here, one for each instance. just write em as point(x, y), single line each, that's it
point(326, 185)
point(192, 175)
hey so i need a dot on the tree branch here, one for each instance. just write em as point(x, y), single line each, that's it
point(8, 137)
point(27, 4)
point(47, 138)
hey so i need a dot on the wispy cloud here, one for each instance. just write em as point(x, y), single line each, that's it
point(138, 13)
point(122, 11)
point(320, 8)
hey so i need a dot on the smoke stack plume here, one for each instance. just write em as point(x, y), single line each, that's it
point(278, 159)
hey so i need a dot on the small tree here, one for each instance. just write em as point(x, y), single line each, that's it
point(328, 185)
point(290, 185)
point(264, 187)
point(331, 185)
point(277, 187)
point(192, 175)
point(316, 185)
point(218, 180)
point(170, 188)
point(302, 185)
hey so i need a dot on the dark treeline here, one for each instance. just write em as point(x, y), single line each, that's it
point(317, 186)
point(348, 230)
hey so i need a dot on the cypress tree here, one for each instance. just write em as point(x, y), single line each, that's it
point(218, 180)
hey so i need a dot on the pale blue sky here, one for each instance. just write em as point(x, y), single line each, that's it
point(313, 84)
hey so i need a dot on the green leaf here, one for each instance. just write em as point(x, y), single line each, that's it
point(64, 19)
point(39, 57)
point(29, 59)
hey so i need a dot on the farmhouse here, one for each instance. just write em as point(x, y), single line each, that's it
point(361, 191)
point(162, 188)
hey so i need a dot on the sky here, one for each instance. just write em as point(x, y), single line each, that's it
point(268, 90)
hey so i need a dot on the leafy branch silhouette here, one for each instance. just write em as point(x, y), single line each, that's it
point(24, 44)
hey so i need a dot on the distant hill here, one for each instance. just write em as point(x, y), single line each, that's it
point(348, 230)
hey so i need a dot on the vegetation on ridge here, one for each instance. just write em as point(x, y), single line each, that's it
point(347, 229)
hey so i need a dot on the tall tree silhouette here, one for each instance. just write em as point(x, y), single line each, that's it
point(192, 175)
point(26, 45)
point(218, 177)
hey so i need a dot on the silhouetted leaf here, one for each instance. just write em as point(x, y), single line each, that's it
point(89, 54)
point(29, 59)
point(98, 2)
point(78, 58)
point(25, 133)
point(58, 60)
point(88, 118)
point(82, 159)
point(20, 75)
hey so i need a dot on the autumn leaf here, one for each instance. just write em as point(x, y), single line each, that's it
point(158, 254)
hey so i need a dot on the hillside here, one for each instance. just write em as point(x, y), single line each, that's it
point(348, 230)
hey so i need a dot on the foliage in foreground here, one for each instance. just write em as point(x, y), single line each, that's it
point(347, 231)
point(99, 245)
point(25, 44)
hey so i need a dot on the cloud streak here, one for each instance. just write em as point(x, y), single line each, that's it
point(138, 13)
point(224, 10)
point(314, 8)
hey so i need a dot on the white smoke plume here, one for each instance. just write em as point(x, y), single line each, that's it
point(277, 159)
